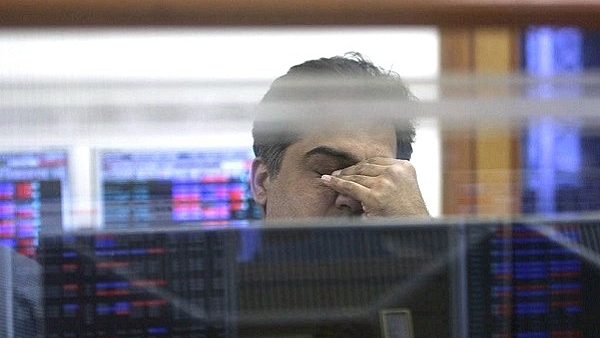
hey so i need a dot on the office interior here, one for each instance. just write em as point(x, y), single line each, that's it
point(126, 210)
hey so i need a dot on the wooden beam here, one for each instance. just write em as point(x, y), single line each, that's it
point(583, 13)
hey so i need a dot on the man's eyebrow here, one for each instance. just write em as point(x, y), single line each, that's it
point(332, 152)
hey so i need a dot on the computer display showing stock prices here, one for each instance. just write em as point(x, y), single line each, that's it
point(160, 187)
point(534, 278)
point(33, 190)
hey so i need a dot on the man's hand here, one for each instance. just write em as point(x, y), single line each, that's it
point(384, 186)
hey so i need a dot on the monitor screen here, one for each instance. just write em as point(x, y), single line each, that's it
point(343, 282)
point(33, 191)
point(149, 188)
point(534, 279)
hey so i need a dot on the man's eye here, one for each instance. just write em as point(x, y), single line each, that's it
point(326, 171)
point(326, 167)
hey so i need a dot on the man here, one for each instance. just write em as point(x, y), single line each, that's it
point(326, 144)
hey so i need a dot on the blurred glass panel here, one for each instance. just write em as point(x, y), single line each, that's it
point(518, 255)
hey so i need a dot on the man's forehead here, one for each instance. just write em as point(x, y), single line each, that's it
point(357, 143)
point(324, 126)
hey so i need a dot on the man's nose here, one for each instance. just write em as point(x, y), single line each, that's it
point(352, 206)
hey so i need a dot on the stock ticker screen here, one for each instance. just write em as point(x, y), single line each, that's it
point(158, 188)
point(33, 186)
point(534, 280)
point(144, 284)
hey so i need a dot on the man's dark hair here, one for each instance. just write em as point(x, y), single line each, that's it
point(297, 98)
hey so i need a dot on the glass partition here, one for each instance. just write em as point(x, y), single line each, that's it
point(144, 221)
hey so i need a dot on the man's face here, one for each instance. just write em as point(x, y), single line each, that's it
point(298, 191)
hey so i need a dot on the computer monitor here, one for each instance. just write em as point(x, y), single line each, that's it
point(33, 192)
point(533, 278)
point(150, 188)
point(348, 281)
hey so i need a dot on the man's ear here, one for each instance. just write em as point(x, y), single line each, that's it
point(259, 182)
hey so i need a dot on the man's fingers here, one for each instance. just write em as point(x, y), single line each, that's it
point(363, 168)
point(374, 166)
point(381, 160)
point(348, 187)
point(385, 187)
point(365, 181)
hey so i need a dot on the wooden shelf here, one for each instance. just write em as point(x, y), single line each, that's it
point(19, 13)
